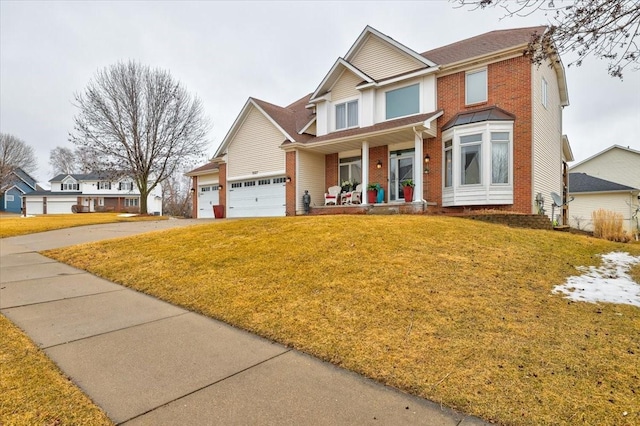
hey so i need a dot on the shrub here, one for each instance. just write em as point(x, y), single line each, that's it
point(608, 225)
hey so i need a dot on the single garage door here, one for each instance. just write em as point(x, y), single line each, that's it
point(34, 205)
point(208, 196)
point(257, 198)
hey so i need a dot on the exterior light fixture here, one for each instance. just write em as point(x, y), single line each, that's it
point(379, 165)
point(427, 158)
point(288, 179)
point(220, 187)
point(192, 190)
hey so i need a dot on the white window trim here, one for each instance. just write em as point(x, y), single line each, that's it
point(345, 102)
point(466, 86)
point(544, 95)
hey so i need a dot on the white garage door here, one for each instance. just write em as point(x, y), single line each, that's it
point(60, 206)
point(257, 198)
point(208, 196)
point(34, 205)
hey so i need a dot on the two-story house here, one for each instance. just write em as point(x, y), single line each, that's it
point(20, 183)
point(474, 124)
point(91, 192)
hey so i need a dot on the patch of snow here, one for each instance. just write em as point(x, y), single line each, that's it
point(608, 283)
point(127, 215)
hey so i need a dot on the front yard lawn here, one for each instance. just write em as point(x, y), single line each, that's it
point(456, 311)
point(33, 391)
point(11, 226)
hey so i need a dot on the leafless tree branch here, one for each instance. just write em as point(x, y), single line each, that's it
point(14, 154)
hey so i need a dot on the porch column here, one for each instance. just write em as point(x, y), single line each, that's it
point(418, 166)
point(365, 171)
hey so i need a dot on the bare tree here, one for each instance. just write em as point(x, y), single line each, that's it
point(63, 160)
point(139, 121)
point(606, 29)
point(14, 153)
point(176, 195)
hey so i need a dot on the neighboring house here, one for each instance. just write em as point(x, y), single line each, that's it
point(22, 183)
point(487, 121)
point(92, 192)
point(609, 180)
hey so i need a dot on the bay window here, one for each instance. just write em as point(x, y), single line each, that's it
point(477, 164)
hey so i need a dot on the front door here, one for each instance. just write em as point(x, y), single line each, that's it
point(401, 168)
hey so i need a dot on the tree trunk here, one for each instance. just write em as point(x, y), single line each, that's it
point(143, 202)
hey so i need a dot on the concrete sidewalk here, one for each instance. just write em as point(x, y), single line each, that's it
point(146, 362)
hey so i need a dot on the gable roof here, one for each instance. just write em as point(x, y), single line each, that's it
point(633, 151)
point(287, 120)
point(25, 177)
point(582, 182)
point(481, 45)
point(368, 30)
point(334, 73)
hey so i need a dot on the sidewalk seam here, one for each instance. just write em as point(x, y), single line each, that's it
point(58, 300)
point(205, 386)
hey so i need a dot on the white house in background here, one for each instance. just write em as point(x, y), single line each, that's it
point(609, 180)
point(92, 192)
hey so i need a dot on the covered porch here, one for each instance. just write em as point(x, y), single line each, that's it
point(385, 155)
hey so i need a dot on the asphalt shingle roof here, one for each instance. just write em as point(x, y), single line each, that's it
point(582, 182)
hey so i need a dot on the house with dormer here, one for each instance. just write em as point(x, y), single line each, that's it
point(473, 124)
point(91, 192)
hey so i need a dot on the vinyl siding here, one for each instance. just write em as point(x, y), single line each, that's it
point(211, 179)
point(583, 205)
point(310, 176)
point(616, 165)
point(547, 137)
point(255, 148)
point(345, 87)
point(379, 60)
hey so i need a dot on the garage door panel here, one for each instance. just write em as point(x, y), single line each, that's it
point(259, 199)
point(34, 207)
point(208, 196)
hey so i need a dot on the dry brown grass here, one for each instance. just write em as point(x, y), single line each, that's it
point(608, 225)
point(11, 226)
point(33, 391)
point(453, 310)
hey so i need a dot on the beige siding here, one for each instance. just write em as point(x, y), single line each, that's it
point(310, 175)
point(345, 87)
point(547, 137)
point(211, 179)
point(616, 165)
point(378, 59)
point(255, 148)
point(583, 205)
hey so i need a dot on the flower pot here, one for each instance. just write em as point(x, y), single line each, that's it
point(218, 211)
point(408, 194)
point(371, 196)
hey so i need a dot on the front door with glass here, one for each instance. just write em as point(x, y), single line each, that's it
point(400, 168)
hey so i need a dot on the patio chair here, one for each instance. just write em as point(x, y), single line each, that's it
point(356, 195)
point(332, 194)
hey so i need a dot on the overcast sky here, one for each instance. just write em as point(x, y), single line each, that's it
point(224, 52)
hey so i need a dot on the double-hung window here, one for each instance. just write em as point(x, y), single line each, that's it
point(403, 101)
point(471, 159)
point(104, 185)
point(125, 186)
point(448, 164)
point(476, 86)
point(500, 157)
point(351, 169)
point(347, 115)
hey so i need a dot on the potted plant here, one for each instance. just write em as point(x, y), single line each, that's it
point(407, 186)
point(372, 191)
